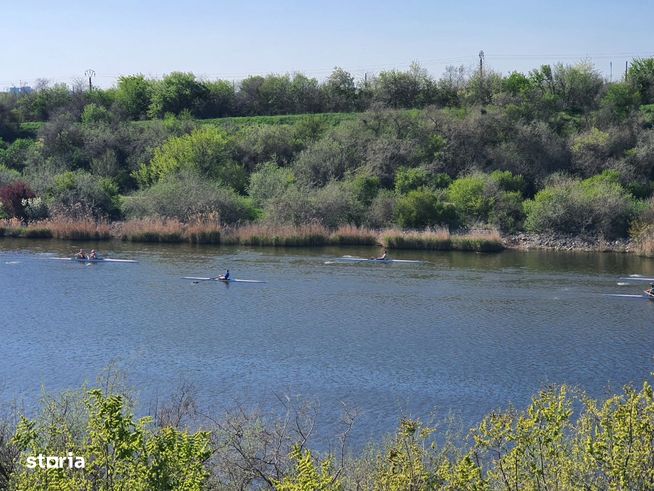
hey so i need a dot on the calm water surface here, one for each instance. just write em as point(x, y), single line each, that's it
point(462, 333)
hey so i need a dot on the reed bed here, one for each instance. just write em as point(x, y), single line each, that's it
point(485, 241)
point(170, 230)
point(431, 240)
point(78, 229)
point(442, 240)
point(208, 231)
point(14, 228)
point(203, 231)
point(644, 242)
point(351, 235)
point(278, 236)
point(152, 230)
point(65, 229)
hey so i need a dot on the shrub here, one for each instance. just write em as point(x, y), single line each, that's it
point(421, 208)
point(336, 204)
point(381, 211)
point(409, 179)
point(268, 182)
point(7, 176)
point(494, 198)
point(470, 197)
point(80, 193)
point(186, 196)
point(294, 207)
point(140, 456)
point(366, 188)
point(331, 206)
point(206, 151)
point(325, 160)
point(596, 205)
point(35, 209)
point(94, 114)
point(16, 155)
point(266, 143)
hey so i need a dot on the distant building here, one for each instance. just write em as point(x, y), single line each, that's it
point(25, 89)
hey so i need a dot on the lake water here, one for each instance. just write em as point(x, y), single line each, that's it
point(463, 333)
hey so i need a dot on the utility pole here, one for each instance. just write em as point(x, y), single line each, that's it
point(90, 73)
point(610, 71)
point(626, 67)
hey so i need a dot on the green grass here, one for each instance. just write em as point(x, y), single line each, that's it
point(329, 119)
point(238, 122)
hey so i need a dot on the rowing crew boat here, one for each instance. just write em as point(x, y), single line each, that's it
point(97, 260)
point(350, 259)
point(230, 280)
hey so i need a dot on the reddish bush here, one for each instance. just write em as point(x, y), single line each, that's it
point(12, 196)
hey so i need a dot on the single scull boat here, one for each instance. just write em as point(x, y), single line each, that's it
point(230, 280)
point(350, 259)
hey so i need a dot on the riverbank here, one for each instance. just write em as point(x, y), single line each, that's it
point(525, 242)
point(313, 235)
point(208, 232)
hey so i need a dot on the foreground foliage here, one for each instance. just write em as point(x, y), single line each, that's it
point(563, 440)
point(120, 452)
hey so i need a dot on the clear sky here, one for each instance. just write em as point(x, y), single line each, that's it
point(59, 40)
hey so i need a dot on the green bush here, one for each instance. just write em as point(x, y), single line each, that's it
point(16, 155)
point(470, 197)
point(381, 211)
point(598, 205)
point(494, 198)
point(80, 194)
point(268, 182)
point(119, 452)
point(410, 179)
point(186, 196)
point(94, 114)
point(7, 176)
point(366, 188)
point(336, 204)
point(333, 205)
point(421, 208)
point(206, 151)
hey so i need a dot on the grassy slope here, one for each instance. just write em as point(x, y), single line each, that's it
point(330, 119)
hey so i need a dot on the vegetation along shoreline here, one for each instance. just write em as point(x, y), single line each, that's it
point(174, 231)
point(544, 159)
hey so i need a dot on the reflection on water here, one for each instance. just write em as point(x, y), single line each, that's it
point(463, 332)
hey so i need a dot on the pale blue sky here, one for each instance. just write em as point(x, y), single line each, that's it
point(59, 40)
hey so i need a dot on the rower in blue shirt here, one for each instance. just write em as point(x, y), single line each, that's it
point(224, 276)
